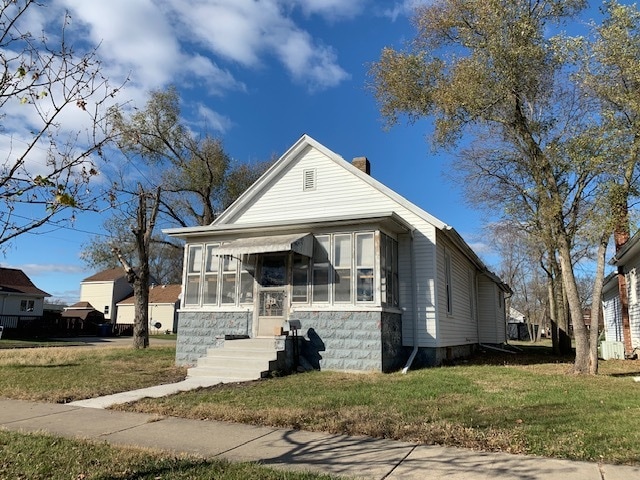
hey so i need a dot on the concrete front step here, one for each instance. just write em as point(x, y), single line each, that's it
point(247, 359)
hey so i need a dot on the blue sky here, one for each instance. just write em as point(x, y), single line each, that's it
point(258, 74)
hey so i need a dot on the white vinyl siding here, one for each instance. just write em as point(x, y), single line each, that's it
point(612, 312)
point(491, 314)
point(457, 326)
point(632, 267)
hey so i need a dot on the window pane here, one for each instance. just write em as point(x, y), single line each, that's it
point(364, 249)
point(193, 289)
point(247, 275)
point(300, 278)
point(365, 284)
point(342, 251)
point(321, 249)
point(212, 260)
point(342, 285)
point(195, 259)
point(211, 290)
point(320, 284)
point(229, 288)
point(229, 263)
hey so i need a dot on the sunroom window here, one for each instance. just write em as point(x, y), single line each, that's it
point(229, 274)
point(194, 266)
point(364, 267)
point(321, 269)
point(211, 275)
point(342, 256)
point(300, 279)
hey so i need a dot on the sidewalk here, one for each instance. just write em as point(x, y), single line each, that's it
point(356, 457)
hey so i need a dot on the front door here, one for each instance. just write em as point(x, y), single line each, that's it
point(272, 294)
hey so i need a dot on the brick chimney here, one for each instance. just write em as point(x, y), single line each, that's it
point(362, 163)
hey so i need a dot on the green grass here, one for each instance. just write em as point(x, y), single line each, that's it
point(66, 374)
point(535, 409)
point(44, 457)
point(527, 403)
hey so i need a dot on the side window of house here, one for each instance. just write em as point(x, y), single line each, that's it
point(194, 266)
point(212, 267)
point(321, 268)
point(472, 294)
point(632, 286)
point(342, 255)
point(27, 305)
point(300, 279)
point(364, 267)
point(447, 279)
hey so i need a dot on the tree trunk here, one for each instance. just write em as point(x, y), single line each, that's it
point(595, 305)
point(580, 332)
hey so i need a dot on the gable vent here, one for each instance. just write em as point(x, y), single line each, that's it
point(309, 179)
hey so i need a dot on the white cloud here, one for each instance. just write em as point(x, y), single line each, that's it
point(405, 8)
point(212, 120)
point(332, 9)
point(246, 31)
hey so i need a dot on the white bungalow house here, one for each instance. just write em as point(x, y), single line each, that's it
point(619, 343)
point(20, 300)
point(376, 283)
point(163, 309)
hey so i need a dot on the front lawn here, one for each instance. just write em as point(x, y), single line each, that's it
point(65, 374)
point(521, 404)
point(537, 408)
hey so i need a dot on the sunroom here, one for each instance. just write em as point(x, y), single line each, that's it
point(336, 277)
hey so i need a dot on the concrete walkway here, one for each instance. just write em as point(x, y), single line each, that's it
point(356, 457)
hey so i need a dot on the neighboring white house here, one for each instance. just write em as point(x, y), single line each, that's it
point(104, 290)
point(627, 259)
point(20, 299)
point(376, 282)
point(163, 308)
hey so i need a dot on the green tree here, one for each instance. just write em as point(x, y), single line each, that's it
point(49, 163)
point(611, 74)
point(488, 70)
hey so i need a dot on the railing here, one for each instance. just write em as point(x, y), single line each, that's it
point(13, 321)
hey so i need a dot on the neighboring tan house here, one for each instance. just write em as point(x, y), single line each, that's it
point(376, 282)
point(163, 308)
point(104, 290)
point(21, 302)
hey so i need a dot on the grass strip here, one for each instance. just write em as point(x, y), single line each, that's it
point(44, 457)
point(534, 409)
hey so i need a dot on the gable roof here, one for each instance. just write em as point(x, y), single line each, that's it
point(225, 221)
point(159, 294)
point(80, 306)
point(13, 280)
point(106, 275)
point(290, 156)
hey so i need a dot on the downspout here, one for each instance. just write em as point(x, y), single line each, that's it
point(414, 304)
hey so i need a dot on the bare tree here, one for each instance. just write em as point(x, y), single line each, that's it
point(51, 103)
point(146, 213)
